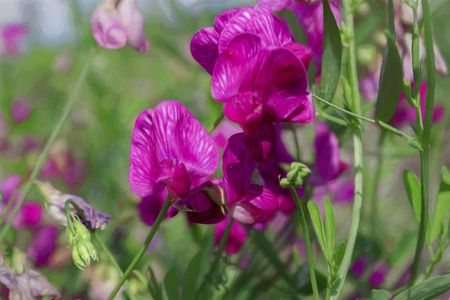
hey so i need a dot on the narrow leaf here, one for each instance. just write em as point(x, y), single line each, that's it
point(380, 295)
point(403, 250)
point(329, 226)
point(318, 227)
point(442, 205)
point(391, 75)
point(427, 290)
point(412, 186)
point(304, 280)
point(339, 253)
point(332, 53)
point(153, 285)
point(191, 276)
point(171, 285)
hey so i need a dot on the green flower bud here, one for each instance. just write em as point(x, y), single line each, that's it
point(77, 258)
point(92, 250)
point(81, 230)
point(297, 171)
point(83, 251)
point(70, 236)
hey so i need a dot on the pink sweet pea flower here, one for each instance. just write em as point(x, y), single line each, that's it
point(208, 43)
point(276, 4)
point(114, 23)
point(43, 245)
point(11, 36)
point(169, 148)
point(20, 111)
point(248, 203)
point(311, 19)
point(235, 240)
point(223, 132)
point(405, 113)
point(151, 205)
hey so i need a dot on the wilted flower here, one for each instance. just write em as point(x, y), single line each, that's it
point(114, 23)
point(56, 200)
point(12, 34)
point(169, 147)
point(248, 203)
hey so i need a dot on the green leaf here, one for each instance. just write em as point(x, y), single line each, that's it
point(332, 53)
point(316, 220)
point(329, 227)
point(171, 285)
point(412, 186)
point(403, 250)
point(380, 295)
point(339, 253)
point(153, 286)
point(442, 205)
point(190, 279)
point(427, 290)
point(390, 86)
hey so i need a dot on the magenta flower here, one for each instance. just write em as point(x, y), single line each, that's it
point(208, 43)
point(151, 205)
point(43, 245)
point(311, 19)
point(276, 4)
point(235, 240)
point(223, 132)
point(114, 23)
point(379, 275)
point(248, 203)
point(20, 111)
point(12, 34)
point(169, 148)
point(405, 113)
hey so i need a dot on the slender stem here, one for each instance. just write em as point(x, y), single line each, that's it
point(410, 140)
point(304, 220)
point(216, 123)
point(358, 152)
point(376, 182)
point(425, 138)
point(297, 144)
point(69, 218)
point(144, 247)
point(331, 118)
point(55, 132)
point(10, 202)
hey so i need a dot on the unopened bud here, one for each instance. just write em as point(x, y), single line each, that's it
point(217, 194)
point(70, 236)
point(77, 258)
point(83, 251)
point(81, 230)
point(92, 251)
point(294, 178)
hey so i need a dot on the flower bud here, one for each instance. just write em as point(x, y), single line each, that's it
point(71, 237)
point(107, 28)
point(83, 251)
point(77, 258)
point(294, 178)
point(81, 230)
point(92, 252)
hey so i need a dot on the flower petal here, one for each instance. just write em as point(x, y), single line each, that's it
point(328, 159)
point(107, 28)
point(237, 168)
point(150, 207)
point(245, 110)
point(204, 48)
point(259, 204)
point(133, 24)
point(261, 143)
point(236, 238)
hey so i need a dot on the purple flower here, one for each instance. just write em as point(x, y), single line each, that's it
point(311, 19)
point(20, 111)
point(235, 240)
point(276, 4)
point(359, 266)
point(114, 23)
point(369, 85)
point(43, 245)
point(208, 43)
point(151, 205)
point(405, 113)
point(248, 203)
point(379, 275)
point(12, 34)
point(169, 147)
point(223, 133)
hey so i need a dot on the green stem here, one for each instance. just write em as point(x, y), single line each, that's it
point(11, 201)
point(297, 144)
point(331, 118)
point(216, 123)
point(69, 217)
point(358, 152)
point(425, 138)
point(55, 132)
point(410, 140)
point(144, 247)
point(376, 182)
point(306, 229)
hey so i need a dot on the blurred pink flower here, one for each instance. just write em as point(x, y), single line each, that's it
point(223, 132)
point(12, 34)
point(21, 110)
point(235, 240)
point(276, 4)
point(43, 245)
point(65, 166)
point(114, 23)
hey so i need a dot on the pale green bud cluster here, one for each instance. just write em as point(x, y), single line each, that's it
point(294, 178)
point(82, 249)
